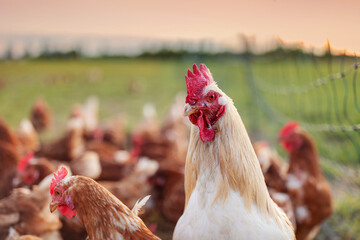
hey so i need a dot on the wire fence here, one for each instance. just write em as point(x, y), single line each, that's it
point(321, 93)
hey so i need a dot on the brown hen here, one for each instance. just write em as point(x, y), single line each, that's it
point(306, 184)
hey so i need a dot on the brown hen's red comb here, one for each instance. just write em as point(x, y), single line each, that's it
point(61, 174)
point(196, 81)
point(24, 162)
point(289, 127)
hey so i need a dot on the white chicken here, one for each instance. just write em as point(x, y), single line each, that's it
point(226, 195)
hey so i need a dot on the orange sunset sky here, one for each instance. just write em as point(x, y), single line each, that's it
point(309, 21)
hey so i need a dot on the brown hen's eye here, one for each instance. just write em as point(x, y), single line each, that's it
point(57, 193)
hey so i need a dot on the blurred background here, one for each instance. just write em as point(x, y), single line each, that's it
point(278, 60)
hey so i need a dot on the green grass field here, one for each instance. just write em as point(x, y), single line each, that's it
point(124, 86)
point(63, 83)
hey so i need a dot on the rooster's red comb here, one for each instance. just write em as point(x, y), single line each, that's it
point(61, 174)
point(288, 127)
point(24, 162)
point(196, 81)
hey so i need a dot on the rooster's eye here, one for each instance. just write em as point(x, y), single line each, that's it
point(211, 98)
point(57, 193)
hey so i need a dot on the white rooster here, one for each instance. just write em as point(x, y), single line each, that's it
point(226, 195)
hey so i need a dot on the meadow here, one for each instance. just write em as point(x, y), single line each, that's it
point(267, 93)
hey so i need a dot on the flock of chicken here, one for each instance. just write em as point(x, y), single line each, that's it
point(152, 165)
point(149, 161)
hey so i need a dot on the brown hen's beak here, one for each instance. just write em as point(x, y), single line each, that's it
point(189, 109)
point(53, 206)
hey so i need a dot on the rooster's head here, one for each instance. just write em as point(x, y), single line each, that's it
point(290, 136)
point(205, 103)
point(60, 197)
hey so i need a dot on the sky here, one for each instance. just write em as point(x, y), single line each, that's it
point(309, 21)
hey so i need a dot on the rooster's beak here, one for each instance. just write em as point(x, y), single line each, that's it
point(190, 109)
point(53, 206)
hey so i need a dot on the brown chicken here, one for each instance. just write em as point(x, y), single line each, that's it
point(175, 132)
point(271, 166)
point(103, 215)
point(136, 184)
point(7, 135)
point(88, 116)
point(146, 139)
point(72, 228)
point(275, 178)
point(28, 137)
point(9, 158)
point(90, 111)
point(41, 116)
point(170, 192)
point(32, 170)
point(113, 132)
point(115, 163)
point(70, 146)
point(149, 145)
point(88, 165)
point(27, 212)
point(166, 143)
point(14, 235)
point(307, 186)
